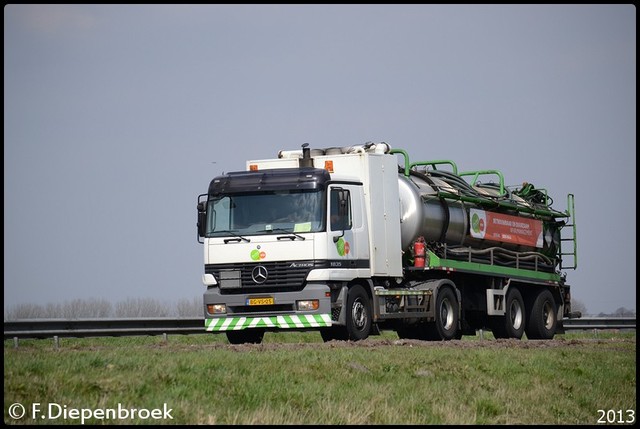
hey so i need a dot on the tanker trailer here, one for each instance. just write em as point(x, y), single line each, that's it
point(500, 247)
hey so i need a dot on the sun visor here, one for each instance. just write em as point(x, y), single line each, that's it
point(269, 180)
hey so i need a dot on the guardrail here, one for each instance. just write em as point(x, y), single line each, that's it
point(79, 328)
point(589, 323)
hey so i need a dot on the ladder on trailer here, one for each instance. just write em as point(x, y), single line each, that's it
point(570, 238)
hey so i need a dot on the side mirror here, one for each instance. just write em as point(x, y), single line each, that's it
point(202, 219)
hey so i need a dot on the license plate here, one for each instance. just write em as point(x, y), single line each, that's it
point(260, 301)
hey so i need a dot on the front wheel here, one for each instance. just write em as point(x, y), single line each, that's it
point(358, 318)
point(543, 318)
point(359, 314)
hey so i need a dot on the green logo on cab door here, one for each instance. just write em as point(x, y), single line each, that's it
point(342, 247)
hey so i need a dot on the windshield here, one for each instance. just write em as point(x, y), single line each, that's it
point(260, 213)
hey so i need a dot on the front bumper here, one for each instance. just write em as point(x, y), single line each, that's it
point(282, 315)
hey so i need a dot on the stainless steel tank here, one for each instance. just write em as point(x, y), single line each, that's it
point(423, 213)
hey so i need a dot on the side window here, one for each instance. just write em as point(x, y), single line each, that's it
point(219, 214)
point(340, 209)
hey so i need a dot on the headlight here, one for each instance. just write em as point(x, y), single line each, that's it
point(216, 308)
point(308, 305)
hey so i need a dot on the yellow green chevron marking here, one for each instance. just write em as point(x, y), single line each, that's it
point(287, 321)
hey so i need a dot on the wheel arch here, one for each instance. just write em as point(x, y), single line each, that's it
point(367, 284)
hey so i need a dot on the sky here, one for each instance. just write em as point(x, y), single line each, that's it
point(116, 117)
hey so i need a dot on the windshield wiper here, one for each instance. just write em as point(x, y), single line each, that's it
point(293, 235)
point(239, 237)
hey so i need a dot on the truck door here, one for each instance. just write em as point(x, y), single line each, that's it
point(347, 230)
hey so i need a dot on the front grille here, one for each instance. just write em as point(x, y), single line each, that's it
point(288, 275)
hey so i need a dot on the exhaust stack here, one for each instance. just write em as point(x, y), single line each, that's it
point(306, 160)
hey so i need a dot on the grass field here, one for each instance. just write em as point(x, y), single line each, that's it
point(295, 378)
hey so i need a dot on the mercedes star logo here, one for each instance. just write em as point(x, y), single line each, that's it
point(259, 274)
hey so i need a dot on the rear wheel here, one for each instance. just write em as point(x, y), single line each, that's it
point(512, 324)
point(251, 336)
point(543, 318)
point(447, 316)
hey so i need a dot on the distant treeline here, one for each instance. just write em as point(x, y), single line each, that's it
point(102, 309)
point(577, 305)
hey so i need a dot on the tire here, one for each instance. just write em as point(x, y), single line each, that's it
point(447, 316)
point(543, 318)
point(512, 325)
point(359, 314)
point(250, 336)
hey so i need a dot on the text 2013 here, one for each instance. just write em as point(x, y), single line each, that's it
point(616, 416)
